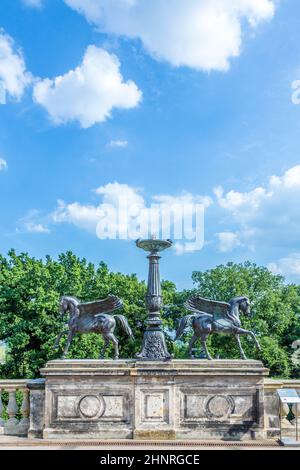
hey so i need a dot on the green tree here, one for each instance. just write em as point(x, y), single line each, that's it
point(29, 322)
point(275, 307)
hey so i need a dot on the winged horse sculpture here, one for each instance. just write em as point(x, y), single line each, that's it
point(210, 316)
point(92, 317)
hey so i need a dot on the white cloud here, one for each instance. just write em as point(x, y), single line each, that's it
point(242, 204)
point(113, 192)
point(290, 179)
point(88, 93)
point(134, 218)
point(184, 198)
point(3, 164)
point(87, 217)
point(13, 75)
point(247, 205)
point(267, 214)
point(201, 34)
point(184, 248)
point(33, 3)
point(287, 266)
point(227, 241)
point(35, 228)
point(33, 222)
point(118, 143)
point(82, 216)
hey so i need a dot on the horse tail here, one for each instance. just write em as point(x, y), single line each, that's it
point(182, 325)
point(125, 325)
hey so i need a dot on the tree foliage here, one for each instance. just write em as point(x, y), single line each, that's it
point(275, 312)
point(29, 322)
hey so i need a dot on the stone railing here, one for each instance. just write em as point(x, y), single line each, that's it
point(14, 417)
point(22, 407)
point(272, 405)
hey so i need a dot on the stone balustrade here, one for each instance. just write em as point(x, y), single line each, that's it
point(14, 416)
point(22, 407)
point(272, 404)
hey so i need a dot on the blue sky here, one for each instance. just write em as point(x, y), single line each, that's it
point(190, 111)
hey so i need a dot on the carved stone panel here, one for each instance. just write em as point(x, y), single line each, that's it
point(89, 406)
point(66, 406)
point(193, 406)
point(155, 406)
point(114, 406)
point(223, 406)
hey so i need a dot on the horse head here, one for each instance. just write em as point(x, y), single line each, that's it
point(243, 304)
point(67, 304)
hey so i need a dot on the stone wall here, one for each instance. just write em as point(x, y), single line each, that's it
point(146, 400)
point(185, 399)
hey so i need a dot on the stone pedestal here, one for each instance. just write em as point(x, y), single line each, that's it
point(37, 408)
point(131, 399)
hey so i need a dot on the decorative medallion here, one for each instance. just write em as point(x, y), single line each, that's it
point(91, 406)
point(219, 406)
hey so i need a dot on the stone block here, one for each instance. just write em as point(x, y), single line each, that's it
point(37, 408)
point(131, 399)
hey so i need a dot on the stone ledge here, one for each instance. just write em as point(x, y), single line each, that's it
point(114, 443)
point(136, 367)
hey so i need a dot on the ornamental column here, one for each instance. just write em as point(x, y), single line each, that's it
point(154, 343)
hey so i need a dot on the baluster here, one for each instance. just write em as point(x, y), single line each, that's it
point(24, 423)
point(1, 413)
point(285, 409)
point(11, 425)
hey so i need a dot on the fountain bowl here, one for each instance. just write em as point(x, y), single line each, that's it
point(153, 245)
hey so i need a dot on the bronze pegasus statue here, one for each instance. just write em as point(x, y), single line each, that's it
point(211, 316)
point(92, 317)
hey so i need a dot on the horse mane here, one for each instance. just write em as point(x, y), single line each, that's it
point(70, 298)
point(230, 313)
point(237, 299)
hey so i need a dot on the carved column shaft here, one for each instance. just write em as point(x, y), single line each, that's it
point(154, 343)
point(154, 297)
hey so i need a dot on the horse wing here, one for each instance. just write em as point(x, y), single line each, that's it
point(110, 304)
point(213, 307)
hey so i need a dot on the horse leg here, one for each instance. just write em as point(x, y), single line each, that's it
point(69, 341)
point(59, 338)
point(106, 343)
point(115, 342)
point(255, 340)
point(204, 345)
point(250, 333)
point(191, 344)
point(242, 352)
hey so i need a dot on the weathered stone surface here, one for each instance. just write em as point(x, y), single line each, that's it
point(154, 435)
point(37, 408)
point(131, 399)
point(272, 406)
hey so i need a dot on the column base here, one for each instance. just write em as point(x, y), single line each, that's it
point(154, 347)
